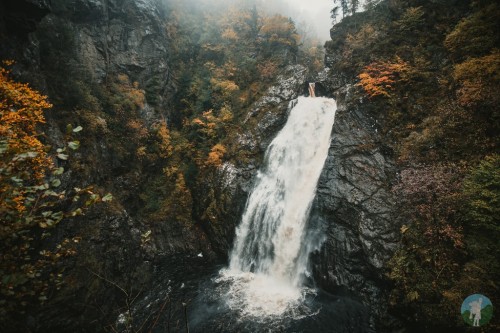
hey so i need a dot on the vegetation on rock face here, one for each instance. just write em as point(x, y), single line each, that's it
point(158, 150)
point(32, 200)
point(225, 59)
point(430, 71)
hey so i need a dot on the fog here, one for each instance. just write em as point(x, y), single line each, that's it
point(309, 15)
point(312, 17)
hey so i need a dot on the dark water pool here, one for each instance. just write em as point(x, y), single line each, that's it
point(199, 302)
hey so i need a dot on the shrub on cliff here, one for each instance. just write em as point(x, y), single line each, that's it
point(32, 202)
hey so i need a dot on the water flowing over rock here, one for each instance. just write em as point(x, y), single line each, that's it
point(265, 118)
point(271, 235)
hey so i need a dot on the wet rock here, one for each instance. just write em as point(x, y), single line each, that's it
point(355, 207)
point(20, 17)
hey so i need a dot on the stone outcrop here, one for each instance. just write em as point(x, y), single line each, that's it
point(355, 207)
point(121, 36)
point(20, 17)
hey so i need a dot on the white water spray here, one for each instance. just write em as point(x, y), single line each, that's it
point(268, 260)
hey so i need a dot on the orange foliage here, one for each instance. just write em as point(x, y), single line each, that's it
point(215, 156)
point(166, 148)
point(378, 78)
point(280, 29)
point(30, 201)
point(131, 91)
point(137, 128)
point(222, 78)
point(268, 69)
point(23, 155)
point(230, 34)
point(226, 86)
point(479, 79)
point(207, 124)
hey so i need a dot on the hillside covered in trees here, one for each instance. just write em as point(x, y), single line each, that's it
point(428, 72)
point(131, 132)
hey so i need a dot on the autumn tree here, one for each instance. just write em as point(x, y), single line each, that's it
point(475, 35)
point(479, 80)
point(32, 202)
point(379, 78)
point(279, 38)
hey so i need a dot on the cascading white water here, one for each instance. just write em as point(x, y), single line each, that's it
point(267, 263)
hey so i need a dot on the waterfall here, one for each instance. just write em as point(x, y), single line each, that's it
point(268, 261)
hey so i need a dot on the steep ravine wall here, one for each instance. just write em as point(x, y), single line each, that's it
point(355, 207)
point(107, 37)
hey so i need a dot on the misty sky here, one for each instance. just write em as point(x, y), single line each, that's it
point(316, 13)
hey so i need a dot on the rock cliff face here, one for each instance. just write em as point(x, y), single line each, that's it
point(122, 36)
point(21, 17)
point(355, 207)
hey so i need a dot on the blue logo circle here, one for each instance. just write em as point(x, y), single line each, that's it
point(477, 310)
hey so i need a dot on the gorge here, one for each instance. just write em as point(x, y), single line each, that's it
point(192, 116)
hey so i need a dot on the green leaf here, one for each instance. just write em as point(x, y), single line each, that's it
point(58, 216)
point(6, 279)
point(23, 156)
point(74, 145)
point(59, 171)
point(31, 154)
point(49, 193)
point(55, 182)
point(60, 150)
point(16, 180)
point(413, 295)
point(77, 129)
point(107, 197)
point(4, 146)
point(77, 212)
point(47, 213)
point(62, 156)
